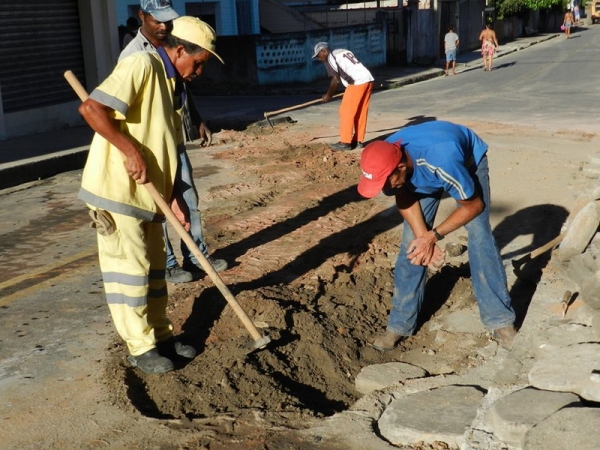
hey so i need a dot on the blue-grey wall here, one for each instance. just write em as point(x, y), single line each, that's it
point(286, 58)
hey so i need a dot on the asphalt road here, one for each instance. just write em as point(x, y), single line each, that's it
point(553, 85)
point(55, 324)
point(556, 79)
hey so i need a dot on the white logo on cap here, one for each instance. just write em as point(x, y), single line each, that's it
point(368, 176)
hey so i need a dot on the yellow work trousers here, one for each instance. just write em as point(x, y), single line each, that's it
point(132, 261)
point(353, 112)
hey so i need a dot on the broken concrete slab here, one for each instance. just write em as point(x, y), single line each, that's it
point(432, 363)
point(442, 414)
point(379, 376)
point(580, 232)
point(561, 335)
point(462, 321)
point(596, 323)
point(567, 429)
point(590, 291)
point(586, 316)
point(514, 414)
point(352, 429)
point(569, 369)
point(581, 267)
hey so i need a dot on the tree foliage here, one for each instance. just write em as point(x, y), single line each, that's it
point(507, 8)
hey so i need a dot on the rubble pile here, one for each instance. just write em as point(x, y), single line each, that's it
point(542, 394)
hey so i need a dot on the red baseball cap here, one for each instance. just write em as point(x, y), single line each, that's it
point(377, 162)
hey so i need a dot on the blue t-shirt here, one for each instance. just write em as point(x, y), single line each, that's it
point(443, 154)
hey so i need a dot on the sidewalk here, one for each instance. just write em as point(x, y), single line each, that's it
point(28, 158)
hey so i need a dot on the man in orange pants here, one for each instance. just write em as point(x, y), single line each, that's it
point(343, 66)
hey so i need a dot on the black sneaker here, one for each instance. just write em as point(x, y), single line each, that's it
point(218, 264)
point(357, 145)
point(340, 146)
point(151, 362)
point(172, 349)
point(177, 275)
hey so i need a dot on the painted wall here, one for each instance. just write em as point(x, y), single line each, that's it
point(287, 58)
point(281, 60)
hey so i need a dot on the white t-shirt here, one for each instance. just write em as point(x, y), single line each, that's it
point(351, 71)
point(450, 41)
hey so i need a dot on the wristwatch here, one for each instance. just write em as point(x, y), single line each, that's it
point(438, 236)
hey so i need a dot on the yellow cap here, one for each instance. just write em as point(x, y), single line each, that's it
point(193, 30)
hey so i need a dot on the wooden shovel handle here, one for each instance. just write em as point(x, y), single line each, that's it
point(166, 210)
point(210, 271)
point(301, 105)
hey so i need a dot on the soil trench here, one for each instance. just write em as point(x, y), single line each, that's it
point(313, 268)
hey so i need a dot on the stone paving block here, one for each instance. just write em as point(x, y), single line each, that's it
point(590, 291)
point(591, 171)
point(569, 369)
point(463, 321)
point(580, 232)
point(567, 429)
point(563, 335)
point(433, 363)
point(514, 414)
point(442, 414)
point(581, 267)
point(586, 316)
point(379, 376)
point(596, 323)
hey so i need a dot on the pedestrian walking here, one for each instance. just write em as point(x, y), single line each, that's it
point(343, 66)
point(136, 114)
point(568, 21)
point(451, 47)
point(417, 165)
point(489, 43)
point(156, 17)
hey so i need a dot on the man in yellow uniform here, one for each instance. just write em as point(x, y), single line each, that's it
point(136, 113)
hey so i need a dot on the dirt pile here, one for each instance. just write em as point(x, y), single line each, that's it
point(313, 270)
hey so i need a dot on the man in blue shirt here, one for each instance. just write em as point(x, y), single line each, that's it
point(418, 164)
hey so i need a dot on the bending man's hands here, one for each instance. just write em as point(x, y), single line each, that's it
point(424, 252)
point(420, 251)
point(438, 260)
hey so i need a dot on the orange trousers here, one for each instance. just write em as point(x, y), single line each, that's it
point(353, 112)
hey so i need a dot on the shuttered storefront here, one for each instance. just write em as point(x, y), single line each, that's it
point(39, 41)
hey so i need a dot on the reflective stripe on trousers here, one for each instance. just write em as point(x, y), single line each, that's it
point(132, 260)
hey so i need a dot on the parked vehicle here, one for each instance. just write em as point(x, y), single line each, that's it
point(594, 8)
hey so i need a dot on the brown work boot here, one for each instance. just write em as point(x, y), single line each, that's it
point(505, 336)
point(387, 341)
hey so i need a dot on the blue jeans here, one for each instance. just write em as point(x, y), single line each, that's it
point(487, 272)
point(185, 183)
